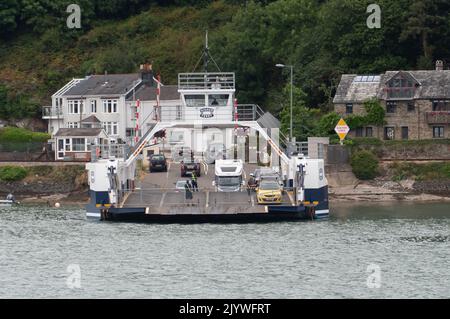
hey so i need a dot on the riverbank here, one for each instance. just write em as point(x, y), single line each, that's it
point(362, 192)
point(47, 185)
point(388, 191)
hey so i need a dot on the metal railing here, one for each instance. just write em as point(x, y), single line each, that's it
point(106, 151)
point(49, 111)
point(438, 117)
point(171, 113)
point(211, 81)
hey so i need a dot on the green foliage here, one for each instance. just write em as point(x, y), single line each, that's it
point(67, 173)
point(375, 113)
point(427, 171)
point(20, 135)
point(327, 123)
point(364, 165)
point(12, 173)
point(365, 141)
point(16, 105)
point(304, 120)
point(321, 39)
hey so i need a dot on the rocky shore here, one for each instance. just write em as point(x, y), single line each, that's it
point(383, 191)
point(373, 191)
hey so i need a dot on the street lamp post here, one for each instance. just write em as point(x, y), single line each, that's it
point(279, 65)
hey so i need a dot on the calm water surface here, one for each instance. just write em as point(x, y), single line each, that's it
point(40, 248)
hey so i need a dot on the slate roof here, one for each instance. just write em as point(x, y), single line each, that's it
point(79, 132)
point(432, 85)
point(91, 119)
point(110, 84)
point(148, 93)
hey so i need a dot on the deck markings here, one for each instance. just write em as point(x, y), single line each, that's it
point(168, 170)
point(161, 203)
point(205, 167)
point(291, 198)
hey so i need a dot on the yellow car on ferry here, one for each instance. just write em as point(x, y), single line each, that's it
point(269, 192)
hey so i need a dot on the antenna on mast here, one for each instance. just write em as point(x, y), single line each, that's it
point(206, 54)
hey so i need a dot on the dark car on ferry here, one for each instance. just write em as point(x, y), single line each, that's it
point(158, 162)
point(189, 165)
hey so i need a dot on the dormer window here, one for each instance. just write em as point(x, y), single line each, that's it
point(401, 86)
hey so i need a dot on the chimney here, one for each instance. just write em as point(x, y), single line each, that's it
point(147, 74)
point(439, 65)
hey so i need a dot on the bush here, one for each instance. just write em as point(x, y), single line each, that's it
point(15, 134)
point(12, 173)
point(420, 172)
point(364, 165)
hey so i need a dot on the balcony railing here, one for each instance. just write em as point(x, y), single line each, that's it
point(438, 117)
point(51, 112)
point(202, 81)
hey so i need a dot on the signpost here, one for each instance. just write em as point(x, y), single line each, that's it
point(342, 130)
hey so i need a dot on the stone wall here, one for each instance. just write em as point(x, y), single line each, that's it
point(416, 120)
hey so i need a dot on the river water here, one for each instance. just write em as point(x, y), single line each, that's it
point(362, 251)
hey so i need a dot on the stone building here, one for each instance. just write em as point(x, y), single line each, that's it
point(417, 103)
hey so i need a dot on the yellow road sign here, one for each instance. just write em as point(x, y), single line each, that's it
point(342, 129)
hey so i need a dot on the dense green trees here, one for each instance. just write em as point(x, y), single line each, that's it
point(16, 105)
point(321, 38)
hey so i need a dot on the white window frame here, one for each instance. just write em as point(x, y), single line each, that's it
point(93, 106)
point(75, 105)
point(72, 144)
point(73, 125)
point(110, 106)
point(111, 128)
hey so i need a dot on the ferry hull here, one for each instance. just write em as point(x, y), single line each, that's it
point(280, 214)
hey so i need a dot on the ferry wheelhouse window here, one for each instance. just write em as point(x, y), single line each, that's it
point(75, 106)
point(400, 88)
point(197, 100)
point(218, 99)
point(110, 106)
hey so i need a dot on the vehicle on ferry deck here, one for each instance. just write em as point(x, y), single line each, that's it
point(181, 152)
point(158, 162)
point(265, 173)
point(189, 165)
point(180, 185)
point(229, 175)
point(269, 192)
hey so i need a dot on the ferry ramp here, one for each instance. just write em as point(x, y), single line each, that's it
point(156, 191)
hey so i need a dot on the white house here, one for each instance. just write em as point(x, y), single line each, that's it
point(127, 106)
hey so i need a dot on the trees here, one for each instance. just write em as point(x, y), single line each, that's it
point(428, 21)
point(15, 106)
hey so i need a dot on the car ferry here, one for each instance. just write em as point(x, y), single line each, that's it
point(208, 103)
